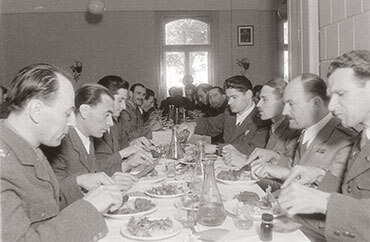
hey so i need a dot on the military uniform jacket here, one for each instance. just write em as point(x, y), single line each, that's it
point(329, 150)
point(348, 211)
point(30, 198)
point(132, 122)
point(283, 141)
point(251, 133)
point(71, 159)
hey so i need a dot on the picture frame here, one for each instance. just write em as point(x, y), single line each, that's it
point(245, 35)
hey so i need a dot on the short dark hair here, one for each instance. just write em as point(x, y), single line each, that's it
point(219, 89)
point(205, 87)
point(132, 89)
point(149, 93)
point(90, 94)
point(113, 83)
point(191, 86)
point(241, 83)
point(357, 60)
point(35, 81)
point(278, 84)
point(314, 86)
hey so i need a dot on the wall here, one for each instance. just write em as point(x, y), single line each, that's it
point(124, 41)
point(344, 26)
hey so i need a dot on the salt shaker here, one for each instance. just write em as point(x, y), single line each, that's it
point(266, 227)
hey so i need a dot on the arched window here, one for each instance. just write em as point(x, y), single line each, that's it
point(186, 50)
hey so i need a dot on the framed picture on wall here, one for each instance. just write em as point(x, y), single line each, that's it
point(245, 35)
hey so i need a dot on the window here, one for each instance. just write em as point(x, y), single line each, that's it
point(185, 50)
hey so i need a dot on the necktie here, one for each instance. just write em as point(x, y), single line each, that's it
point(363, 139)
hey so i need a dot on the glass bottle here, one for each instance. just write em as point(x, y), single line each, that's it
point(266, 227)
point(175, 152)
point(171, 113)
point(211, 211)
point(177, 119)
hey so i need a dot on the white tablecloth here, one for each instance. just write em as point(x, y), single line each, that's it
point(166, 209)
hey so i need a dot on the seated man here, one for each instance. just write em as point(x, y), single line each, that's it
point(76, 155)
point(324, 142)
point(177, 100)
point(148, 104)
point(282, 141)
point(41, 98)
point(131, 118)
point(218, 101)
point(344, 203)
point(108, 147)
point(242, 130)
point(203, 103)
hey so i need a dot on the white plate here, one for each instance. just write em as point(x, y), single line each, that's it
point(126, 216)
point(166, 196)
point(177, 228)
point(152, 179)
point(240, 182)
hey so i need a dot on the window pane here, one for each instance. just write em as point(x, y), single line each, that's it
point(186, 32)
point(286, 65)
point(175, 68)
point(286, 33)
point(199, 67)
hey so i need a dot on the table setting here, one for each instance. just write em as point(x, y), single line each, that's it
point(188, 200)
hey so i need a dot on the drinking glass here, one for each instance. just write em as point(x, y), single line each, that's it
point(244, 216)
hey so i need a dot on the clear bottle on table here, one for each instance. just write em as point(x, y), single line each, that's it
point(211, 211)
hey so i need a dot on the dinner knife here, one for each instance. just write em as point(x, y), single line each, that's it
point(147, 169)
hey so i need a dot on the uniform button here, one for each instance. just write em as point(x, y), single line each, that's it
point(43, 215)
point(351, 235)
point(349, 189)
point(346, 234)
point(368, 158)
point(354, 153)
point(337, 233)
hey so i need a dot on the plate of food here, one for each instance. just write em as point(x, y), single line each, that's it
point(168, 190)
point(134, 206)
point(153, 177)
point(254, 201)
point(234, 177)
point(147, 229)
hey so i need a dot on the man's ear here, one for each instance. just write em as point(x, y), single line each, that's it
point(130, 94)
point(34, 108)
point(317, 101)
point(249, 93)
point(84, 110)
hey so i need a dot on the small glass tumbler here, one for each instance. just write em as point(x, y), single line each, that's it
point(170, 168)
point(243, 219)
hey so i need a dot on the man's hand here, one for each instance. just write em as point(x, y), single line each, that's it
point(136, 160)
point(124, 181)
point(189, 126)
point(134, 149)
point(260, 156)
point(155, 125)
point(142, 142)
point(90, 181)
point(269, 171)
point(297, 198)
point(304, 175)
point(234, 159)
point(104, 198)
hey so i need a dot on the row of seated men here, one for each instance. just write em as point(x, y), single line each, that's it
point(318, 159)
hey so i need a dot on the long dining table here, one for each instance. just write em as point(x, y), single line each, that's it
point(166, 208)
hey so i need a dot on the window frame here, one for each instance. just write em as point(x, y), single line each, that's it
point(208, 17)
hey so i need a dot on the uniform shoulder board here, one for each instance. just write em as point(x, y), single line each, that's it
point(349, 131)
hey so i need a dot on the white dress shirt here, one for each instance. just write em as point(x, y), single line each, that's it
point(311, 132)
point(85, 140)
point(240, 117)
point(367, 130)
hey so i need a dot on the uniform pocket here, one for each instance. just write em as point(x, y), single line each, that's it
point(43, 210)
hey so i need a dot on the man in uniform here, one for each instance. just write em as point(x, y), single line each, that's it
point(42, 102)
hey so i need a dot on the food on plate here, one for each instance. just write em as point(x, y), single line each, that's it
point(167, 189)
point(234, 175)
point(145, 227)
point(250, 198)
point(135, 206)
